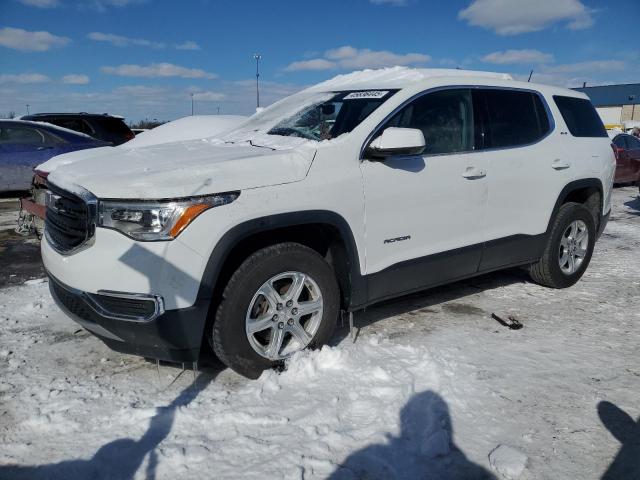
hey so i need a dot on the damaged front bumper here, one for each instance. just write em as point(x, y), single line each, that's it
point(135, 324)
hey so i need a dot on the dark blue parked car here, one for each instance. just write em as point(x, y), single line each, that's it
point(24, 145)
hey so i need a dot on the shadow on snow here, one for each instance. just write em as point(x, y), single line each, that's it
point(425, 448)
point(626, 465)
point(121, 458)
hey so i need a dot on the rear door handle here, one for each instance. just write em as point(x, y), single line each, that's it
point(473, 173)
point(560, 164)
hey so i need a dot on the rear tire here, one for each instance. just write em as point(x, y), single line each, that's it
point(555, 268)
point(244, 307)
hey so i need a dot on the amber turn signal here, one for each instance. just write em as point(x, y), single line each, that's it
point(187, 217)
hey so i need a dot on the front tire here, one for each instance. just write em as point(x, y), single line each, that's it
point(282, 299)
point(569, 248)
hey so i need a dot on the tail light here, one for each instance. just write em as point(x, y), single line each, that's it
point(617, 151)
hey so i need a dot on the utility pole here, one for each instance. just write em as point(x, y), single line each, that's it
point(192, 104)
point(257, 56)
point(27, 109)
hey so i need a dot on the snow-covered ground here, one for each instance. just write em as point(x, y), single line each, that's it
point(431, 387)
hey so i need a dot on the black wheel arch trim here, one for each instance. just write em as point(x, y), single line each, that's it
point(246, 229)
point(573, 186)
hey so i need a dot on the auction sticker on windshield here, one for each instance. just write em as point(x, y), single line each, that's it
point(366, 94)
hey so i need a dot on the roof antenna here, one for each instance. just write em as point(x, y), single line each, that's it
point(530, 75)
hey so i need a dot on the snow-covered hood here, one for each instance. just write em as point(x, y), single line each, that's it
point(182, 169)
point(188, 128)
point(72, 157)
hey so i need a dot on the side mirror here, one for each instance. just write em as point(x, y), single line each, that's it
point(397, 141)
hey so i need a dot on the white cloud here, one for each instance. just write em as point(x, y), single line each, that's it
point(348, 57)
point(103, 5)
point(314, 64)
point(596, 72)
point(40, 3)
point(365, 58)
point(188, 45)
point(24, 78)
point(208, 96)
point(24, 40)
point(269, 91)
point(588, 67)
point(448, 62)
point(121, 41)
point(395, 3)
point(157, 70)
point(518, 56)
point(512, 17)
point(75, 79)
point(341, 52)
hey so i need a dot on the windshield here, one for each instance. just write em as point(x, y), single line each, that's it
point(330, 118)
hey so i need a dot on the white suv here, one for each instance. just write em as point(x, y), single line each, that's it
point(365, 187)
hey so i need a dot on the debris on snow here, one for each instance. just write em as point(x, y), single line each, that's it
point(511, 322)
point(508, 461)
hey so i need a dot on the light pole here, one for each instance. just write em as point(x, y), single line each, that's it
point(257, 56)
point(192, 104)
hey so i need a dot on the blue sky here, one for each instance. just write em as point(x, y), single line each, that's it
point(143, 58)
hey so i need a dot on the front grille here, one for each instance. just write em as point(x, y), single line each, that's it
point(68, 220)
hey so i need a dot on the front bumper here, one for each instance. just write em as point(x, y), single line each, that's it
point(114, 262)
point(173, 335)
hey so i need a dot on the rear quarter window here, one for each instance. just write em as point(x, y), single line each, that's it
point(113, 125)
point(581, 118)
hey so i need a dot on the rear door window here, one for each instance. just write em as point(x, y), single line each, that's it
point(581, 118)
point(50, 138)
point(513, 118)
point(70, 123)
point(21, 136)
point(87, 128)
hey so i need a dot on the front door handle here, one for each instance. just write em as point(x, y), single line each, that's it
point(473, 173)
point(560, 164)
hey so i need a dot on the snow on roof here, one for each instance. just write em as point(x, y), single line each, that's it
point(398, 77)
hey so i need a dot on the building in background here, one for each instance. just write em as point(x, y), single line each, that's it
point(618, 105)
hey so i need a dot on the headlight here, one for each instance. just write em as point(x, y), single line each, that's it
point(156, 220)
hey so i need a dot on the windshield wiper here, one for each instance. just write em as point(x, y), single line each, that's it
point(260, 146)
